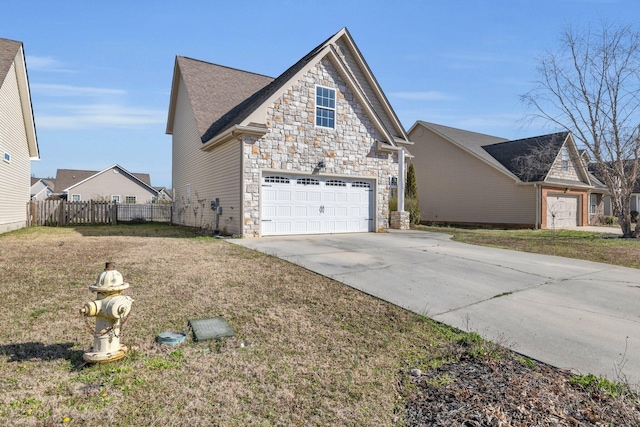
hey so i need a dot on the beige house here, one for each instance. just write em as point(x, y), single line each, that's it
point(113, 184)
point(311, 151)
point(470, 178)
point(18, 140)
point(41, 188)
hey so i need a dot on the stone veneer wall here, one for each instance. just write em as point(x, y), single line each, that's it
point(294, 144)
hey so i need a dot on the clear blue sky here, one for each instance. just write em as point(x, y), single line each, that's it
point(100, 72)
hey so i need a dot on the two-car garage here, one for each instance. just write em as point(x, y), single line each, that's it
point(310, 204)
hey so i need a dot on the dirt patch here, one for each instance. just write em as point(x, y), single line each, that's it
point(508, 390)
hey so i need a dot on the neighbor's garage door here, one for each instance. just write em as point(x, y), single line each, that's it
point(313, 205)
point(562, 211)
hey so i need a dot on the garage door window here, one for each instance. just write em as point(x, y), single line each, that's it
point(276, 179)
point(361, 184)
point(307, 181)
point(335, 183)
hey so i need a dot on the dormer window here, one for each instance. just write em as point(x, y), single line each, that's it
point(325, 107)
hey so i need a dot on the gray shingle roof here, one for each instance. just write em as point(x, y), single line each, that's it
point(470, 141)
point(214, 90)
point(222, 97)
point(8, 51)
point(508, 153)
point(66, 178)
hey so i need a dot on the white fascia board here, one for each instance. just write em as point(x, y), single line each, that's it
point(25, 103)
point(374, 84)
point(173, 98)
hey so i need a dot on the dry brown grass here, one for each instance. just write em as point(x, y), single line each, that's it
point(307, 350)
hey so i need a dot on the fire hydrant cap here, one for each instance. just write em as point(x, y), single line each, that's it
point(109, 280)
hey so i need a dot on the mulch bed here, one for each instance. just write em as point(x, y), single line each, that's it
point(512, 391)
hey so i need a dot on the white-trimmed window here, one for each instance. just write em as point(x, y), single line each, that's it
point(115, 199)
point(325, 107)
point(130, 199)
point(75, 197)
point(7, 157)
point(565, 159)
point(593, 203)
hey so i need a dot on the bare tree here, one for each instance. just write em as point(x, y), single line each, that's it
point(591, 87)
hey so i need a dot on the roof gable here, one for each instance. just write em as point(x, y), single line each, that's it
point(513, 155)
point(213, 90)
point(66, 179)
point(12, 53)
point(250, 110)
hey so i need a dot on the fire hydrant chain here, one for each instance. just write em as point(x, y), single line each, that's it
point(109, 329)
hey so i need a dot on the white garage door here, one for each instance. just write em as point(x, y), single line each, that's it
point(313, 205)
point(562, 211)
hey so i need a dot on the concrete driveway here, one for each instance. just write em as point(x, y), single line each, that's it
point(572, 314)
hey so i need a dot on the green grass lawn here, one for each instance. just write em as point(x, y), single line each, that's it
point(599, 247)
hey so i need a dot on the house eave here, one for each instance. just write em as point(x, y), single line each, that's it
point(384, 147)
point(253, 129)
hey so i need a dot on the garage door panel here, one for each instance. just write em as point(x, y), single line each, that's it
point(284, 211)
point(308, 205)
point(562, 211)
point(315, 196)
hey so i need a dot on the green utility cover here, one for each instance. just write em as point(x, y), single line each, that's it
point(210, 329)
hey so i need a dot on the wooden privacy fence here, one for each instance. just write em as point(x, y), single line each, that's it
point(62, 212)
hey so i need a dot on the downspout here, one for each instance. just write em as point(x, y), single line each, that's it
point(538, 206)
point(401, 179)
point(241, 219)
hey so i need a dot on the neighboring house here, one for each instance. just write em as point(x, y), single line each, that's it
point(42, 188)
point(165, 195)
point(18, 140)
point(607, 208)
point(470, 178)
point(311, 151)
point(111, 184)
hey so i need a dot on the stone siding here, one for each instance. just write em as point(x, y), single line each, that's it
point(294, 144)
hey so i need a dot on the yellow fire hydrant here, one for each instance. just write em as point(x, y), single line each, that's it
point(111, 310)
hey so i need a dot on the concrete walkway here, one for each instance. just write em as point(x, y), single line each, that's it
point(572, 314)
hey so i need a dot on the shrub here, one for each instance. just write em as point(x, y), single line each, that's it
point(634, 216)
point(393, 203)
point(411, 205)
point(610, 220)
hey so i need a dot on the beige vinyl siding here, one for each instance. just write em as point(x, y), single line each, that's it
point(15, 181)
point(210, 175)
point(455, 186)
point(112, 182)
